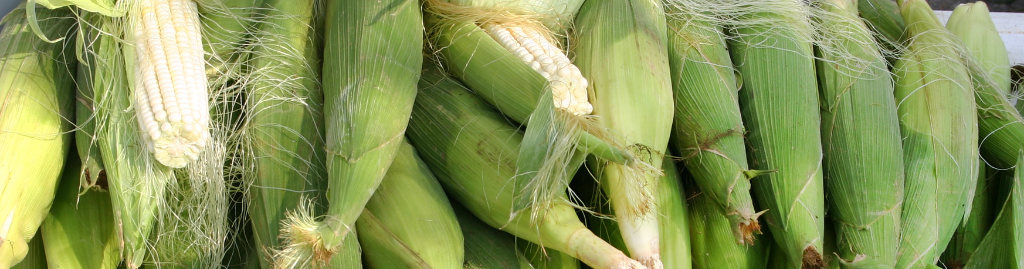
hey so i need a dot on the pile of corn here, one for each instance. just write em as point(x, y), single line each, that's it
point(616, 134)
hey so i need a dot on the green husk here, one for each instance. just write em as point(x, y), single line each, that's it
point(780, 111)
point(622, 48)
point(712, 240)
point(79, 233)
point(545, 258)
point(409, 223)
point(972, 23)
point(938, 122)
point(1003, 245)
point(372, 60)
point(673, 222)
point(284, 130)
point(708, 130)
point(486, 247)
point(36, 257)
point(455, 29)
point(472, 150)
point(226, 25)
point(861, 137)
point(984, 208)
point(35, 127)
point(883, 17)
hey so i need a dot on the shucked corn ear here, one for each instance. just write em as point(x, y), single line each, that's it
point(1003, 245)
point(861, 137)
point(472, 151)
point(708, 130)
point(284, 130)
point(78, 233)
point(34, 123)
point(780, 111)
point(408, 223)
point(170, 96)
point(622, 47)
point(371, 65)
point(939, 125)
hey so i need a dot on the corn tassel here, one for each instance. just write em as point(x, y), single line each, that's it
point(371, 66)
point(861, 137)
point(938, 122)
point(780, 111)
point(34, 123)
point(408, 223)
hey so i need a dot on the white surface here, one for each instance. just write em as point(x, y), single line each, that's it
point(1011, 30)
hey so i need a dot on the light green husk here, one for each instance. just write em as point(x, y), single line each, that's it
point(861, 137)
point(621, 46)
point(473, 150)
point(708, 130)
point(36, 257)
point(712, 239)
point(35, 128)
point(372, 60)
point(486, 247)
point(284, 135)
point(673, 221)
point(79, 233)
point(771, 48)
point(939, 125)
point(972, 23)
point(226, 26)
point(408, 223)
point(984, 208)
point(883, 17)
point(473, 56)
point(545, 258)
point(1003, 245)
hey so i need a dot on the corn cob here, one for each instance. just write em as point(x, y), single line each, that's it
point(938, 122)
point(78, 232)
point(284, 130)
point(621, 46)
point(708, 130)
point(472, 151)
point(517, 39)
point(486, 247)
point(1003, 245)
point(780, 111)
point(408, 223)
point(34, 130)
point(369, 80)
point(861, 137)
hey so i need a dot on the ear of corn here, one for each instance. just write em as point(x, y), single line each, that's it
point(860, 130)
point(712, 239)
point(780, 110)
point(472, 150)
point(518, 39)
point(673, 224)
point(621, 46)
point(538, 257)
point(34, 123)
point(78, 233)
point(1003, 245)
point(284, 130)
point(371, 65)
point(409, 223)
point(938, 122)
point(984, 207)
point(708, 130)
point(972, 23)
point(883, 17)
